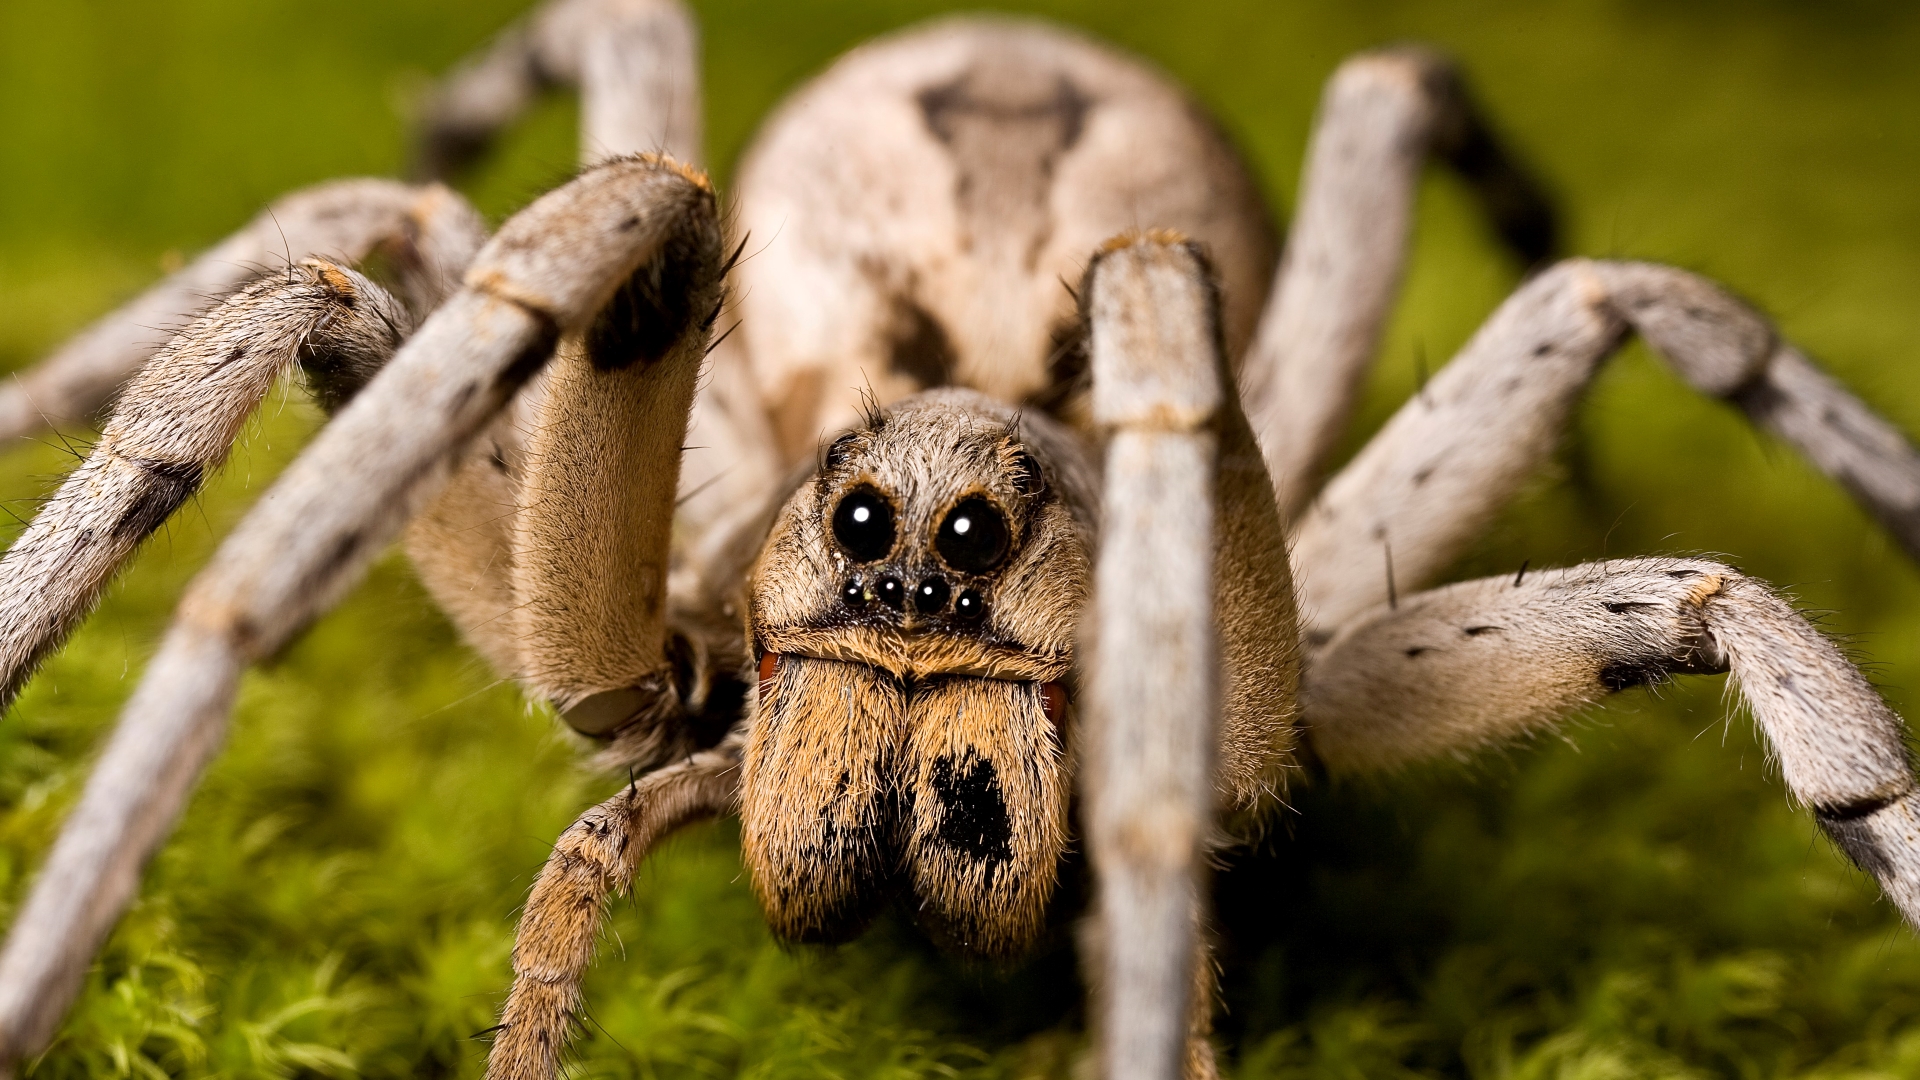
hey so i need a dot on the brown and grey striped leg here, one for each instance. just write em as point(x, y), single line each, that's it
point(1449, 672)
point(1431, 480)
point(548, 273)
point(594, 860)
point(174, 423)
point(1382, 116)
point(429, 234)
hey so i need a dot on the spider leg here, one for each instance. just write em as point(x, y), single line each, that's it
point(636, 64)
point(430, 233)
point(1455, 453)
point(175, 422)
point(547, 273)
point(1480, 662)
point(1382, 115)
point(590, 545)
point(1191, 620)
point(593, 860)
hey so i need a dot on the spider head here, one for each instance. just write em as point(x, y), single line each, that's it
point(914, 613)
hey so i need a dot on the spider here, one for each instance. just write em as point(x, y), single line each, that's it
point(1005, 536)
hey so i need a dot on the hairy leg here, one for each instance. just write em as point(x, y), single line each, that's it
point(428, 233)
point(175, 422)
point(1191, 620)
point(590, 543)
point(1456, 453)
point(1469, 665)
point(1382, 115)
point(635, 62)
point(594, 860)
point(636, 66)
point(548, 272)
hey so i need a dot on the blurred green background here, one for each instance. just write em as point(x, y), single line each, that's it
point(1635, 899)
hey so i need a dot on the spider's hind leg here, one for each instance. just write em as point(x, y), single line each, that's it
point(635, 62)
point(1462, 667)
point(1459, 450)
point(1382, 116)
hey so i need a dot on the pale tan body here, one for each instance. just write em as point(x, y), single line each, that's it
point(913, 214)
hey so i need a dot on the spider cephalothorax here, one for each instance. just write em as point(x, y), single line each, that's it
point(1040, 598)
point(914, 613)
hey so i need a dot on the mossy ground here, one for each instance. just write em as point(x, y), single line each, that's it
point(1636, 899)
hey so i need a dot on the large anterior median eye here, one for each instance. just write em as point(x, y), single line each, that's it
point(863, 523)
point(973, 538)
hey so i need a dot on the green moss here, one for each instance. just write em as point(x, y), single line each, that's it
point(1636, 899)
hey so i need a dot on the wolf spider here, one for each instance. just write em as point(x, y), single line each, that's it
point(959, 561)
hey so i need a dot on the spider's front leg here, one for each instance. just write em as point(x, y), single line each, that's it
point(1192, 619)
point(546, 275)
point(588, 574)
point(590, 542)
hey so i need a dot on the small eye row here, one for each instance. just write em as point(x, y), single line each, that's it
point(930, 597)
point(973, 538)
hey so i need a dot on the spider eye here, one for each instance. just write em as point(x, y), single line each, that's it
point(1026, 473)
point(973, 538)
point(863, 523)
point(836, 455)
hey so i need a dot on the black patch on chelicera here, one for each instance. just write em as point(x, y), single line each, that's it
point(170, 483)
point(973, 817)
point(854, 864)
point(920, 349)
point(1627, 674)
